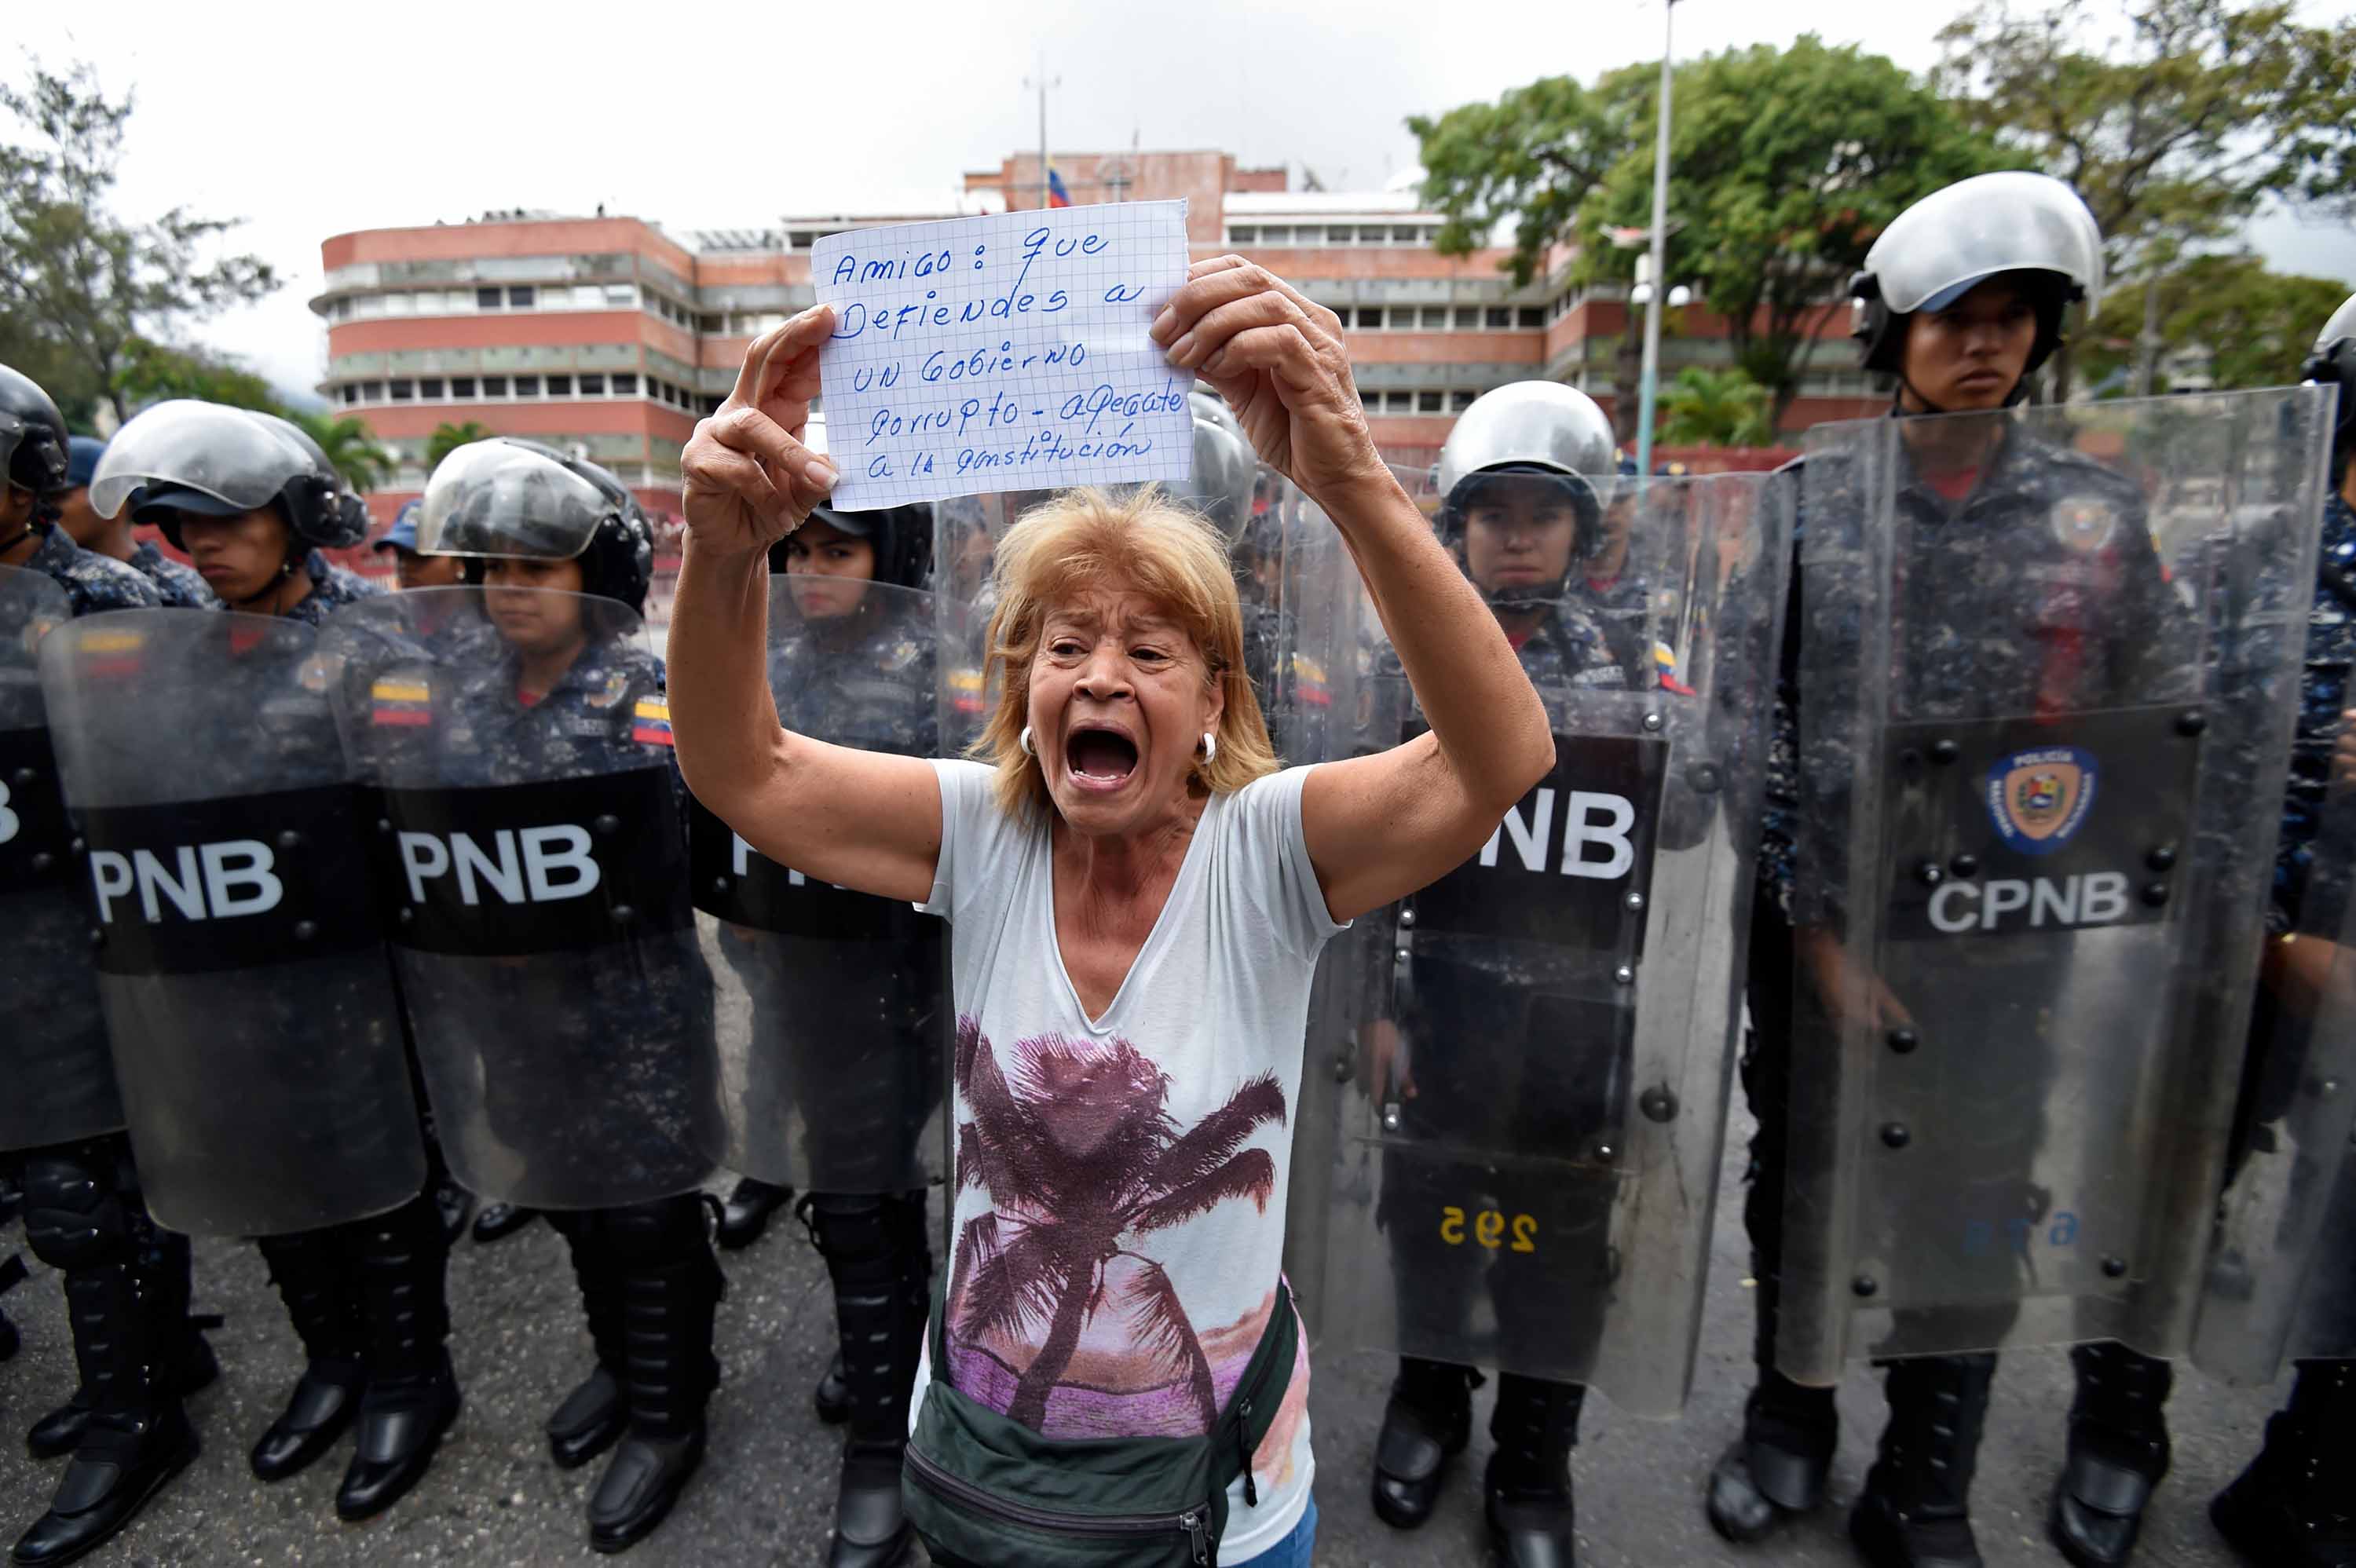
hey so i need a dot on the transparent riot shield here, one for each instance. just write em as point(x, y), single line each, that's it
point(532, 854)
point(241, 967)
point(1532, 1053)
point(2047, 684)
point(61, 1078)
point(832, 1005)
point(2281, 1282)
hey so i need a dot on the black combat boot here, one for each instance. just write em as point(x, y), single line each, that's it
point(669, 1284)
point(745, 1213)
point(1426, 1423)
point(591, 1418)
point(1536, 1425)
point(1915, 1510)
point(2118, 1452)
point(59, 1433)
point(125, 1294)
point(881, 1265)
point(308, 1268)
point(11, 1274)
point(831, 1397)
point(411, 1396)
point(2295, 1507)
point(1778, 1465)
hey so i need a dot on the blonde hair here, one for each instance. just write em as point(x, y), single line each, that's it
point(1153, 546)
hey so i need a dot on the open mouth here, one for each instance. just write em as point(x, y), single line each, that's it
point(1100, 758)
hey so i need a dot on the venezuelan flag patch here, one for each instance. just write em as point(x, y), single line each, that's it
point(113, 652)
point(650, 722)
point(1664, 665)
point(965, 690)
point(400, 702)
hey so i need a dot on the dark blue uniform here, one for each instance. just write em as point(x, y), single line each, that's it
point(180, 585)
point(93, 583)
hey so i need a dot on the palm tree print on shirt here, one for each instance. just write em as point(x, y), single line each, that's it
point(1078, 1154)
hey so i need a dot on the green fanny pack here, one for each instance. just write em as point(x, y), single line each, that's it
point(983, 1490)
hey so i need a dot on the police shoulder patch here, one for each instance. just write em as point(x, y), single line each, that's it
point(2084, 522)
point(616, 687)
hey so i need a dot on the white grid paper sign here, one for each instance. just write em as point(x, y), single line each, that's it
point(976, 355)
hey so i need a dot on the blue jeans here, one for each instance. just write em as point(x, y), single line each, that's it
point(1293, 1550)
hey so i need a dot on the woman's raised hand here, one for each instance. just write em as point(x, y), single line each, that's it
point(1277, 358)
point(749, 479)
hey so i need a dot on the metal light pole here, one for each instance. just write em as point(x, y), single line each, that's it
point(1648, 384)
point(1044, 84)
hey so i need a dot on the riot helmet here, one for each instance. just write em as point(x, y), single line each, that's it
point(186, 457)
point(1527, 450)
point(2334, 362)
point(349, 525)
point(1207, 404)
point(902, 536)
point(1219, 486)
point(1954, 240)
point(508, 498)
point(33, 440)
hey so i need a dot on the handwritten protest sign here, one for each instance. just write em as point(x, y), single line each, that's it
point(1002, 353)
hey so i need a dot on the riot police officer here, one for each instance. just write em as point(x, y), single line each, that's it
point(599, 1114)
point(2290, 1507)
point(178, 583)
point(366, 1296)
point(847, 995)
point(127, 1279)
point(1962, 301)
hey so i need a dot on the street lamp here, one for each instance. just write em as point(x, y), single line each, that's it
point(1648, 385)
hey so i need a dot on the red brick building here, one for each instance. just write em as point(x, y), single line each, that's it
point(612, 336)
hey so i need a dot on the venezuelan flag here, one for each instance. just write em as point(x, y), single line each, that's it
point(965, 690)
point(1056, 195)
point(1664, 665)
point(113, 652)
point(400, 702)
point(650, 722)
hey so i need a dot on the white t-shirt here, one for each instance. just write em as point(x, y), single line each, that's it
point(1120, 1213)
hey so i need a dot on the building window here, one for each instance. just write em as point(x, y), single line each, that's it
point(707, 324)
point(802, 239)
point(592, 386)
point(560, 386)
point(1370, 318)
point(520, 298)
point(495, 386)
point(1239, 234)
point(461, 387)
point(429, 388)
point(1459, 400)
point(488, 299)
point(1339, 236)
point(403, 390)
point(526, 385)
point(1276, 236)
point(625, 386)
point(1409, 236)
point(1427, 402)
point(351, 394)
point(622, 296)
point(1468, 317)
point(1398, 402)
point(399, 305)
point(1531, 316)
point(1373, 236)
point(1497, 318)
point(1371, 401)
point(371, 391)
point(1435, 318)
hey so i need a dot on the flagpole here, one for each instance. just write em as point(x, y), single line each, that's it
point(1044, 84)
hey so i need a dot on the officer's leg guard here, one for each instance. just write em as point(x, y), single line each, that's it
point(1915, 1510)
point(2118, 1452)
point(126, 1293)
point(658, 1257)
point(1536, 1425)
point(323, 1301)
point(2295, 1507)
point(399, 1261)
point(591, 1418)
point(1778, 1465)
point(11, 1274)
point(879, 1261)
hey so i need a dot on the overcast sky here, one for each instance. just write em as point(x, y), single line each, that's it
point(310, 121)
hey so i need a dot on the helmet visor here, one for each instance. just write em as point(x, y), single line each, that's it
point(219, 452)
point(489, 498)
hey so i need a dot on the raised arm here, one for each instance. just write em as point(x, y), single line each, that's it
point(1383, 825)
point(863, 820)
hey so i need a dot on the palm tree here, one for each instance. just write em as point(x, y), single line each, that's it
point(448, 438)
point(1078, 1154)
point(1715, 407)
point(351, 449)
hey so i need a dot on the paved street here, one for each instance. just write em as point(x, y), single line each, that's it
point(765, 1495)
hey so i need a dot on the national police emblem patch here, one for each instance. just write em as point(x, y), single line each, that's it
point(2039, 799)
point(2084, 522)
point(616, 687)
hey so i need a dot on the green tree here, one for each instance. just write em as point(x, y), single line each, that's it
point(1715, 407)
point(147, 372)
point(2256, 327)
point(351, 449)
point(2175, 133)
point(448, 438)
point(75, 278)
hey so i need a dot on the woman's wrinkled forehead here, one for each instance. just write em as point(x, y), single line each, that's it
point(1111, 607)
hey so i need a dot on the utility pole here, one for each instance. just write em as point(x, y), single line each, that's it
point(1043, 83)
point(1649, 383)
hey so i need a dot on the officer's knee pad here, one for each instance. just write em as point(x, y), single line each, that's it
point(650, 1235)
point(852, 1227)
point(76, 1217)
